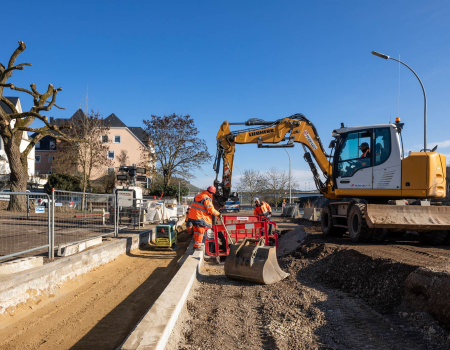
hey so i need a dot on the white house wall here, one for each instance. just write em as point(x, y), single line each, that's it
point(4, 165)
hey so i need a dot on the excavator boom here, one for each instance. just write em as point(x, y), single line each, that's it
point(294, 129)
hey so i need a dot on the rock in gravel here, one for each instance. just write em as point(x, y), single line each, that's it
point(290, 241)
point(431, 330)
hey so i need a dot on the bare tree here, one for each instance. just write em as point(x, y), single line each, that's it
point(276, 184)
point(177, 150)
point(90, 157)
point(14, 124)
point(251, 182)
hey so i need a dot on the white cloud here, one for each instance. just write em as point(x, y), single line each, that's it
point(441, 144)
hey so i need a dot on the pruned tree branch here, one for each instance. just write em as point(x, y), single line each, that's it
point(16, 54)
point(9, 104)
point(21, 122)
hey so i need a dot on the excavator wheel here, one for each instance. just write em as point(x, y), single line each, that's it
point(326, 220)
point(433, 237)
point(357, 225)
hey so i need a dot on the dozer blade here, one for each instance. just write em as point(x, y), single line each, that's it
point(253, 263)
point(408, 217)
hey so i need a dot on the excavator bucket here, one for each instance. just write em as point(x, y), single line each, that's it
point(408, 217)
point(253, 262)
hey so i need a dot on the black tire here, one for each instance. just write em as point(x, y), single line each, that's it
point(357, 226)
point(433, 237)
point(326, 221)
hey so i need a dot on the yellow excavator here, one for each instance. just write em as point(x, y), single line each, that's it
point(367, 194)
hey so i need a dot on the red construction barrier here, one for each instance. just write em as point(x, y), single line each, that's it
point(239, 227)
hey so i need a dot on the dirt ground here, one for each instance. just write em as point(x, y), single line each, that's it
point(97, 310)
point(339, 295)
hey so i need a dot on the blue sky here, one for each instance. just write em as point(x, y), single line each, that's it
point(235, 60)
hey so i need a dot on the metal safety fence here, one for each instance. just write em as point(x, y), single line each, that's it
point(45, 222)
point(25, 227)
point(80, 216)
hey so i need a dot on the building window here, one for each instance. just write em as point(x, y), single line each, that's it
point(37, 172)
point(110, 171)
point(110, 154)
point(104, 138)
point(37, 159)
point(50, 172)
point(38, 144)
point(50, 159)
point(52, 144)
point(116, 138)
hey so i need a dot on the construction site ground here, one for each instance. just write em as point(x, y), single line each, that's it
point(339, 295)
point(98, 309)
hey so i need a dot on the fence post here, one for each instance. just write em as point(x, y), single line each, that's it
point(116, 216)
point(28, 207)
point(139, 220)
point(52, 219)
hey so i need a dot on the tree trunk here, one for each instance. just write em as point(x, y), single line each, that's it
point(19, 175)
point(167, 178)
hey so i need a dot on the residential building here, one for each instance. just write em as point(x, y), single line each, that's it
point(126, 144)
point(5, 170)
point(45, 150)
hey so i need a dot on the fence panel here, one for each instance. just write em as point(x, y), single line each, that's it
point(79, 216)
point(25, 231)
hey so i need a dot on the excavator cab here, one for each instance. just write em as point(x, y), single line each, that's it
point(367, 157)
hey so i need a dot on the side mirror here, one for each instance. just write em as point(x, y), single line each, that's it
point(332, 144)
point(434, 148)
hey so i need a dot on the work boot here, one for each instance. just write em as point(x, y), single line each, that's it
point(198, 248)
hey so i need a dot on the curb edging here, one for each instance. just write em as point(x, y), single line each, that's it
point(154, 329)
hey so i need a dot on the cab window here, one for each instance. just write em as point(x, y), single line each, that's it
point(355, 153)
point(382, 145)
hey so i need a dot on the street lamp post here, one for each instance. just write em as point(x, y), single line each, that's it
point(386, 57)
point(290, 190)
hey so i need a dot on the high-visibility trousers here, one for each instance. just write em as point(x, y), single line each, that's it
point(190, 228)
point(199, 232)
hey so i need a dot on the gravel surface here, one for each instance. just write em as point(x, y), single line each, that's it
point(338, 296)
point(96, 310)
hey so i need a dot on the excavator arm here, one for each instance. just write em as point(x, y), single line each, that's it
point(294, 129)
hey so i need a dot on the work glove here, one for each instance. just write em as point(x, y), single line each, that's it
point(220, 217)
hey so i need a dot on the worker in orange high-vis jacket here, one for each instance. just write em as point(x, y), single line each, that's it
point(200, 215)
point(262, 208)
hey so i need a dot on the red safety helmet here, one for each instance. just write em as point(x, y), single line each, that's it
point(211, 189)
